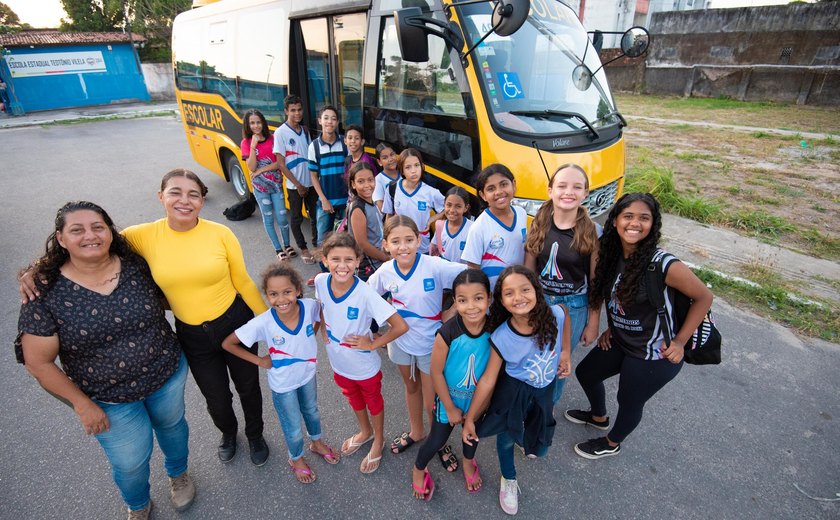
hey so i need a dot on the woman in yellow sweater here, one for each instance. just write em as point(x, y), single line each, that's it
point(199, 266)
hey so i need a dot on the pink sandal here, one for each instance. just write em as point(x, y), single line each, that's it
point(302, 471)
point(330, 457)
point(428, 488)
point(471, 481)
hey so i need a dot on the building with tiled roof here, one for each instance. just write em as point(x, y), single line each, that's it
point(47, 37)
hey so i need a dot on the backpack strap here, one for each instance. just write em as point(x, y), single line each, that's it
point(655, 286)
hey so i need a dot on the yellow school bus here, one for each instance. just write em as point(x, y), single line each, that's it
point(507, 81)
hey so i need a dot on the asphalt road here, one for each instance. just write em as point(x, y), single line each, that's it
point(731, 441)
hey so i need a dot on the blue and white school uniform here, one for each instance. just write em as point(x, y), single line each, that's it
point(417, 206)
point(452, 246)
point(380, 189)
point(293, 351)
point(417, 296)
point(351, 315)
point(493, 246)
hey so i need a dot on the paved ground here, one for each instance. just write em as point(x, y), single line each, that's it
point(732, 441)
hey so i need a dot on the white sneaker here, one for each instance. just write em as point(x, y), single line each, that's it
point(509, 496)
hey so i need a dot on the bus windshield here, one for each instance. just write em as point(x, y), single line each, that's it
point(527, 78)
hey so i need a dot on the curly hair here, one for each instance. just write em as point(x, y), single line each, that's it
point(611, 251)
point(277, 269)
point(541, 319)
point(45, 270)
point(585, 240)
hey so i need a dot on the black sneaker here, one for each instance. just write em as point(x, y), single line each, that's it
point(585, 417)
point(227, 447)
point(259, 451)
point(596, 448)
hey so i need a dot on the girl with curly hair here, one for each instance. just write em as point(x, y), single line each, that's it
point(633, 345)
point(532, 338)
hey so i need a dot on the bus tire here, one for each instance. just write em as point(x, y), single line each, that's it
point(237, 178)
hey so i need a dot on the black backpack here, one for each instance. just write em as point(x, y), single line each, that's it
point(241, 210)
point(704, 346)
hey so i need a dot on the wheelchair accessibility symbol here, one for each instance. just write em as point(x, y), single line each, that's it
point(510, 86)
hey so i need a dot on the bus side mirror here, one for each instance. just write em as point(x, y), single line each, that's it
point(509, 15)
point(412, 32)
point(635, 42)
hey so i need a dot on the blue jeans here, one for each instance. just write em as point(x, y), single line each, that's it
point(504, 449)
point(293, 405)
point(273, 207)
point(326, 221)
point(128, 443)
point(578, 305)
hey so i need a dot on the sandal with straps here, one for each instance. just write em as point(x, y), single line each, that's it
point(448, 459)
point(282, 256)
point(290, 251)
point(402, 442)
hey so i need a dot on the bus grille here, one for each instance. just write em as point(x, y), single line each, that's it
point(601, 200)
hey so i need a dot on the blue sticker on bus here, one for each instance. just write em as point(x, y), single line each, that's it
point(510, 86)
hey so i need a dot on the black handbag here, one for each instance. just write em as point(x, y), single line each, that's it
point(703, 348)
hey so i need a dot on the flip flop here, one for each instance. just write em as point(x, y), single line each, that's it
point(448, 459)
point(471, 481)
point(307, 258)
point(291, 251)
point(428, 488)
point(350, 446)
point(372, 464)
point(330, 457)
point(302, 471)
point(402, 442)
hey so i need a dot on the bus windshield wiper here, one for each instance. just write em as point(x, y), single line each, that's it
point(557, 113)
point(613, 113)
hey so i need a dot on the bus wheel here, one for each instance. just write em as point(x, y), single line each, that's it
point(237, 178)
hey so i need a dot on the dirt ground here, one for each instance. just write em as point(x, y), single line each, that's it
point(784, 189)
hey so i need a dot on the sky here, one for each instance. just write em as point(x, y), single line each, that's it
point(48, 13)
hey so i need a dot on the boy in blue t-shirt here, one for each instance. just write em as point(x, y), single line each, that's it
point(326, 168)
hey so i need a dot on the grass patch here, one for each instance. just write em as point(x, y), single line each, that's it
point(110, 117)
point(773, 301)
point(821, 244)
point(787, 191)
point(761, 135)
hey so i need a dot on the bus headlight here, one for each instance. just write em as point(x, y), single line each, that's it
point(529, 205)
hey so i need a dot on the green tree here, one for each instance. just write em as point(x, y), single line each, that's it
point(7, 16)
point(93, 15)
point(153, 18)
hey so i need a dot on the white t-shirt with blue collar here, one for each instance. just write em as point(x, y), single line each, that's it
point(351, 315)
point(418, 297)
point(493, 246)
point(417, 206)
point(293, 351)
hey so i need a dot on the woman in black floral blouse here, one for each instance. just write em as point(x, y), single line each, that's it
point(122, 371)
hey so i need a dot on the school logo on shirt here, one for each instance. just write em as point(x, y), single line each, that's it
point(497, 242)
point(352, 313)
point(421, 205)
point(394, 287)
point(310, 330)
point(291, 142)
point(524, 232)
point(428, 284)
point(463, 244)
point(278, 341)
point(397, 203)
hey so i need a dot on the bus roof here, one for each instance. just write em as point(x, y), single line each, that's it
point(296, 8)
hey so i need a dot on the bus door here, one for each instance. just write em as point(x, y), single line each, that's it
point(426, 106)
point(327, 65)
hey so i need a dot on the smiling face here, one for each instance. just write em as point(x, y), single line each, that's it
point(282, 295)
point(412, 170)
point(85, 235)
point(454, 208)
point(342, 263)
point(498, 192)
point(402, 243)
point(182, 200)
point(388, 160)
point(255, 124)
point(633, 225)
point(363, 183)
point(568, 189)
point(518, 295)
point(328, 121)
point(472, 302)
point(354, 141)
point(294, 114)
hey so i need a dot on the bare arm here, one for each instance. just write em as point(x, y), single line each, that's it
point(397, 328)
point(233, 345)
point(682, 279)
point(473, 266)
point(590, 332)
point(40, 353)
point(316, 183)
point(530, 261)
point(564, 369)
point(481, 397)
point(440, 350)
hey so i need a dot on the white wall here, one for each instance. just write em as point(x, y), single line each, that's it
point(160, 80)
